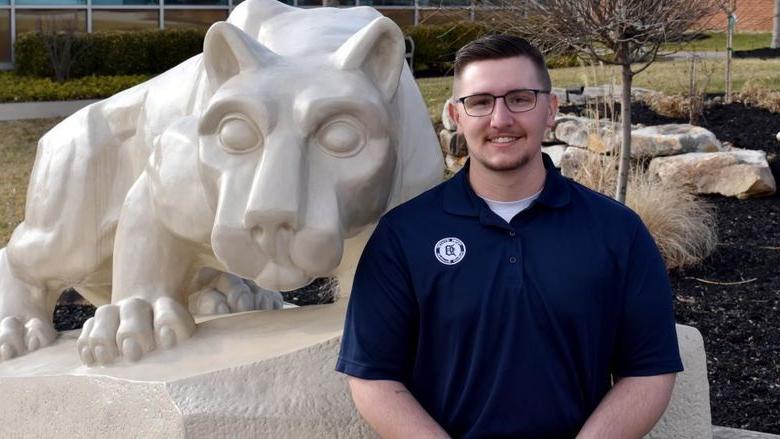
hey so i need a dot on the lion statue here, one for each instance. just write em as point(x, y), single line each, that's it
point(268, 157)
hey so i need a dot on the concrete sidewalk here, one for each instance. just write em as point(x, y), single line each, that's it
point(41, 110)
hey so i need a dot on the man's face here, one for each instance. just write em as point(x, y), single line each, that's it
point(503, 141)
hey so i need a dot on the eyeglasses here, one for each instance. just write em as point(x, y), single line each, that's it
point(516, 101)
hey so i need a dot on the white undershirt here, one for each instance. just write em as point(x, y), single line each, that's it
point(508, 209)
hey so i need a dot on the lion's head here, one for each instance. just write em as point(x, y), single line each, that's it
point(297, 153)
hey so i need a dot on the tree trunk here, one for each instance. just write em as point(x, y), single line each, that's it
point(625, 146)
point(729, 51)
point(776, 26)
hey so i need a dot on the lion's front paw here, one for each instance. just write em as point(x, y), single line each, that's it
point(132, 328)
point(17, 338)
point(232, 294)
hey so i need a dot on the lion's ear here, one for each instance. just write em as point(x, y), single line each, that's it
point(377, 49)
point(227, 51)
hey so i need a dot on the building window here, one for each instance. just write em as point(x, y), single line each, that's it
point(203, 18)
point(331, 3)
point(380, 3)
point(443, 16)
point(402, 17)
point(124, 20)
point(31, 20)
point(125, 2)
point(196, 2)
point(5, 35)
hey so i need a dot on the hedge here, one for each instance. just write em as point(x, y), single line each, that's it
point(435, 46)
point(112, 53)
point(16, 88)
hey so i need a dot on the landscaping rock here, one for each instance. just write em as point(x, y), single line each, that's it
point(672, 139)
point(572, 158)
point(453, 143)
point(602, 136)
point(555, 152)
point(454, 164)
point(736, 173)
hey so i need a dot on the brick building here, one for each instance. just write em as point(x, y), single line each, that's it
point(752, 16)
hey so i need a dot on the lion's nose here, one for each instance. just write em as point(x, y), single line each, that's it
point(273, 231)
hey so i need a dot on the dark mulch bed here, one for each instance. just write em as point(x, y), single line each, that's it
point(732, 297)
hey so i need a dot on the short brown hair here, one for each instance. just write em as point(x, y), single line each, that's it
point(500, 47)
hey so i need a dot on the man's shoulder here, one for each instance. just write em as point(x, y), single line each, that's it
point(426, 204)
point(603, 210)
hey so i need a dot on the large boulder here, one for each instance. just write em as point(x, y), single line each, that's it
point(555, 152)
point(672, 139)
point(736, 173)
point(573, 158)
point(453, 143)
point(600, 136)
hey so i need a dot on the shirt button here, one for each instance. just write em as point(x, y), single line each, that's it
point(512, 233)
point(512, 260)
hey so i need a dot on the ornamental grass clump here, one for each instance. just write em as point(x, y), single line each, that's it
point(757, 95)
point(682, 225)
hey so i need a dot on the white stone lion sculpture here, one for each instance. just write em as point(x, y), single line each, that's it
point(265, 157)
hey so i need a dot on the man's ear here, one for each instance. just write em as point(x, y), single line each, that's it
point(552, 110)
point(452, 110)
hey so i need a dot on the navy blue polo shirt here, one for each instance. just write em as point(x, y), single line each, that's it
point(510, 329)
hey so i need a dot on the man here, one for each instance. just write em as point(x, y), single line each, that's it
point(505, 301)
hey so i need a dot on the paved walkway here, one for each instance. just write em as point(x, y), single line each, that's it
point(735, 433)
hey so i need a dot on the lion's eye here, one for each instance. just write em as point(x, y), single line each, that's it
point(238, 134)
point(341, 137)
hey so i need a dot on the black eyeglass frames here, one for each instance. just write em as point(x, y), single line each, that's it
point(516, 101)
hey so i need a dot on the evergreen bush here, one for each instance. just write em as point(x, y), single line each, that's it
point(112, 53)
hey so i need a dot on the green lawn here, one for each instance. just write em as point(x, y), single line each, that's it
point(716, 42)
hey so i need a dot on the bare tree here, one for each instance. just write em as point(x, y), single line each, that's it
point(628, 33)
point(58, 36)
point(776, 26)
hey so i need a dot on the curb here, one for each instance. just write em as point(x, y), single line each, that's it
point(41, 110)
point(735, 433)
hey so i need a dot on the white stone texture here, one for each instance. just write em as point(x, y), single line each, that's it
point(555, 152)
point(688, 414)
point(257, 374)
point(736, 173)
point(227, 161)
point(778, 136)
point(672, 139)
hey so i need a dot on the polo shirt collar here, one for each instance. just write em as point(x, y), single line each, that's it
point(460, 198)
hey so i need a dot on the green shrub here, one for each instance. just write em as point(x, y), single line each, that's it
point(435, 45)
point(112, 53)
point(16, 88)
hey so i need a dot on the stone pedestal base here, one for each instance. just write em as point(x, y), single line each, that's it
point(253, 375)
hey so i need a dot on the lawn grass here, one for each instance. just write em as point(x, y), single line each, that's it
point(716, 42)
point(670, 77)
point(18, 140)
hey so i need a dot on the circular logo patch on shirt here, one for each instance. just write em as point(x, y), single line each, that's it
point(450, 251)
